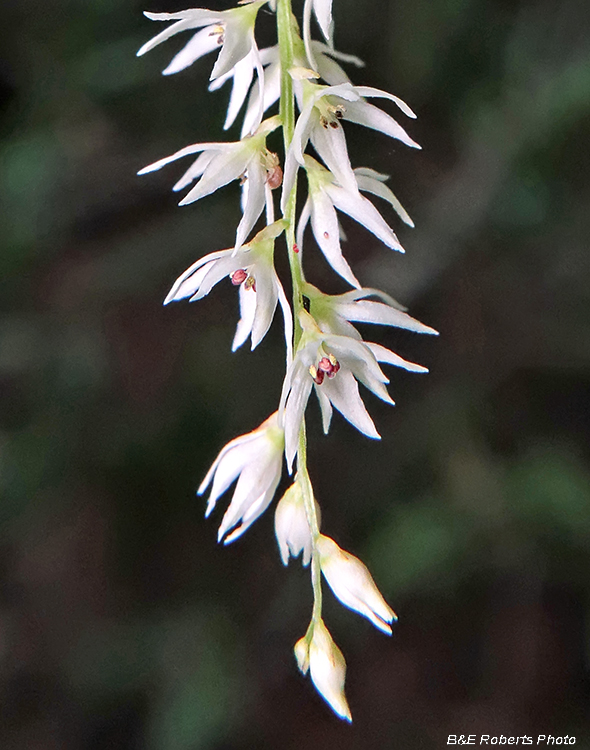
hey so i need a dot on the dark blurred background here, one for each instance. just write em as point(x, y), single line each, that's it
point(122, 623)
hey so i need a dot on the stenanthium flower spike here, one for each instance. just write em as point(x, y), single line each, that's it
point(324, 351)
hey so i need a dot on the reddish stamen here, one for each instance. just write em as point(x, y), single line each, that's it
point(334, 370)
point(238, 277)
point(317, 375)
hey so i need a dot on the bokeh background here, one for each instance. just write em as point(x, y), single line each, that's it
point(122, 623)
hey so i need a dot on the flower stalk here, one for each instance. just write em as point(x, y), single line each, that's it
point(325, 353)
point(285, 33)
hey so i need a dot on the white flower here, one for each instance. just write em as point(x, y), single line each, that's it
point(255, 460)
point(251, 268)
point(327, 67)
point(352, 583)
point(334, 313)
point(322, 657)
point(233, 30)
point(221, 163)
point(322, 107)
point(325, 196)
point(291, 525)
point(334, 363)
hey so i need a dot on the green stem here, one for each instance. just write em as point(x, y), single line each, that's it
point(286, 31)
point(288, 36)
point(312, 519)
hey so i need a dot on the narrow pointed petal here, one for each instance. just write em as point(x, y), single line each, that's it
point(366, 311)
point(303, 222)
point(391, 358)
point(266, 303)
point(254, 203)
point(195, 170)
point(287, 321)
point(376, 187)
point(219, 270)
point(254, 491)
point(236, 46)
point(232, 445)
point(228, 465)
point(355, 294)
point(243, 75)
point(343, 392)
point(294, 410)
point(329, 69)
point(247, 311)
point(324, 223)
point(323, 13)
point(227, 166)
point(362, 210)
point(370, 116)
point(197, 16)
point(342, 56)
point(190, 286)
point(370, 91)
point(201, 44)
point(272, 90)
point(186, 151)
point(177, 293)
point(326, 408)
point(330, 143)
point(186, 22)
point(252, 514)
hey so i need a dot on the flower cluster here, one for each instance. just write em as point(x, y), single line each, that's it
point(324, 350)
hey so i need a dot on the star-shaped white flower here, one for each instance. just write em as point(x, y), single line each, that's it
point(232, 30)
point(332, 357)
point(220, 163)
point(321, 109)
point(333, 363)
point(333, 314)
point(251, 269)
point(325, 196)
point(256, 461)
point(352, 583)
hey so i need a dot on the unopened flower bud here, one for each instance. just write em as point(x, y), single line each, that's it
point(328, 669)
point(301, 650)
point(291, 525)
point(352, 583)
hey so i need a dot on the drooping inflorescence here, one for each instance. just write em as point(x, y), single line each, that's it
point(324, 351)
